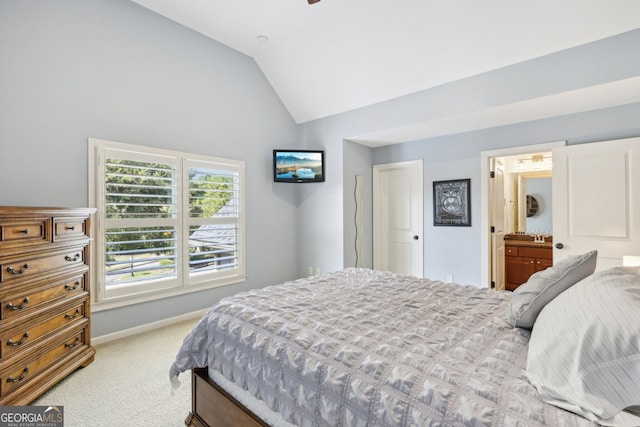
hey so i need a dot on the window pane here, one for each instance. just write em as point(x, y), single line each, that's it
point(140, 254)
point(135, 189)
point(210, 191)
point(169, 222)
point(213, 247)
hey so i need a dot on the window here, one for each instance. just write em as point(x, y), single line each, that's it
point(166, 223)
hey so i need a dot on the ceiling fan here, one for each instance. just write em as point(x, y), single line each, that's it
point(312, 1)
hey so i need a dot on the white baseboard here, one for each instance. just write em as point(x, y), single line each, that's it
point(102, 339)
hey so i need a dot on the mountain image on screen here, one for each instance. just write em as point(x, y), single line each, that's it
point(299, 166)
point(295, 160)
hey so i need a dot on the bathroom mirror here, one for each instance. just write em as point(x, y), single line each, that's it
point(534, 209)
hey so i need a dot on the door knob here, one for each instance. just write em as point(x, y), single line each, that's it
point(415, 237)
point(559, 246)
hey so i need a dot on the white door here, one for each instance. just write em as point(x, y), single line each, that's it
point(398, 219)
point(497, 213)
point(596, 200)
point(522, 203)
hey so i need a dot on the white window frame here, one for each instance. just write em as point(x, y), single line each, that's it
point(122, 295)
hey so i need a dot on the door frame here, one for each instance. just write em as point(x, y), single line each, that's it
point(485, 188)
point(496, 211)
point(377, 170)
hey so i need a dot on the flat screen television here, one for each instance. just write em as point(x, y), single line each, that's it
point(298, 165)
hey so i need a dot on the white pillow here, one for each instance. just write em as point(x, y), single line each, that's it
point(584, 352)
point(531, 297)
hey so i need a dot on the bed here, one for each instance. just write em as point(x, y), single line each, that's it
point(361, 347)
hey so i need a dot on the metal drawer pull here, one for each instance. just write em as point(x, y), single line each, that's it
point(27, 231)
point(21, 271)
point(13, 343)
point(74, 258)
point(75, 343)
point(74, 315)
point(20, 378)
point(72, 288)
point(25, 301)
point(70, 228)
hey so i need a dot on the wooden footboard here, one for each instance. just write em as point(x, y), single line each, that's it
point(213, 407)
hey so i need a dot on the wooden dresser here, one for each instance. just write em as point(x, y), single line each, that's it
point(523, 258)
point(45, 311)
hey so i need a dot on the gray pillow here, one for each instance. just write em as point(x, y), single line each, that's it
point(584, 351)
point(531, 297)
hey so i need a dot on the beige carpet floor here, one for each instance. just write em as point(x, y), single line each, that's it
point(127, 384)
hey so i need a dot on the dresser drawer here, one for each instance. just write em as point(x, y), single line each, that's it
point(24, 231)
point(511, 250)
point(536, 252)
point(21, 372)
point(23, 303)
point(69, 229)
point(32, 265)
point(32, 333)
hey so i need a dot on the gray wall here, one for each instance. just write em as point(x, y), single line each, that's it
point(110, 69)
point(450, 250)
point(359, 160)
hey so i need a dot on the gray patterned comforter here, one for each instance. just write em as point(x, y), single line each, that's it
point(367, 348)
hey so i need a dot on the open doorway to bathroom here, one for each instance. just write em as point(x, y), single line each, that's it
point(509, 176)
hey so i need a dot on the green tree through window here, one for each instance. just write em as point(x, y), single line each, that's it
point(167, 220)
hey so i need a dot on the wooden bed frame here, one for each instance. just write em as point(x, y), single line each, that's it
point(213, 407)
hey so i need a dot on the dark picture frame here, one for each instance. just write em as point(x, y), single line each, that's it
point(452, 203)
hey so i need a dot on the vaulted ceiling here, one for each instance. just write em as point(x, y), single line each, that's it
point(338, 55)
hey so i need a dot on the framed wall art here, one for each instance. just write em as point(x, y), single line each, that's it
point(452, 202)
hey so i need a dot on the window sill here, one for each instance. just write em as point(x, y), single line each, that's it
point(112, 303)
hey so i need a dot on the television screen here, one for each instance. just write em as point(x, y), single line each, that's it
point(298, 165)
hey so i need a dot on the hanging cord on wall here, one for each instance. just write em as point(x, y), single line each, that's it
point(357, 217)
